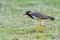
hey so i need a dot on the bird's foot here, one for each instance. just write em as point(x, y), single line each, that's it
point(39, 31)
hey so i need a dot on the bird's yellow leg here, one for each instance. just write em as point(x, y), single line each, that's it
point(39, 28)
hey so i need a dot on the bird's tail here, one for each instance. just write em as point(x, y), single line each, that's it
point(51, 18)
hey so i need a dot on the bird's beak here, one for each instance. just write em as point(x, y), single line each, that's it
point(24, 13)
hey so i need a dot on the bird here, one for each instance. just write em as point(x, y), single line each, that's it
point(38, 16)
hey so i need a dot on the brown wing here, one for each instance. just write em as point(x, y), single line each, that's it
point(39, 15)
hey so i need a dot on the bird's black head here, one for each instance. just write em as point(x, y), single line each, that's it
point(27, 12)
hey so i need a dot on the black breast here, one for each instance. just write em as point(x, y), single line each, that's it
point(30, 16)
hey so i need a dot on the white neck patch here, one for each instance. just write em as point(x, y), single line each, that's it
point(29, 13)
point(33, 16)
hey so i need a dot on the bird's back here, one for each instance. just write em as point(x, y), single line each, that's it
point(39, 15)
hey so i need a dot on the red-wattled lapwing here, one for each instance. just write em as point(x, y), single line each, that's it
point(38, 16)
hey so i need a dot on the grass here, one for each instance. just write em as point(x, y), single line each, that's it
point(15, 26)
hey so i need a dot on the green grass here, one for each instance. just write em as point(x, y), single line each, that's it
point(15, 26)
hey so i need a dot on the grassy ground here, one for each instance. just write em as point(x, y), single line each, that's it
point(15, 26)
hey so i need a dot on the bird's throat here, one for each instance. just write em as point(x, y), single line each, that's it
point(30, 16)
